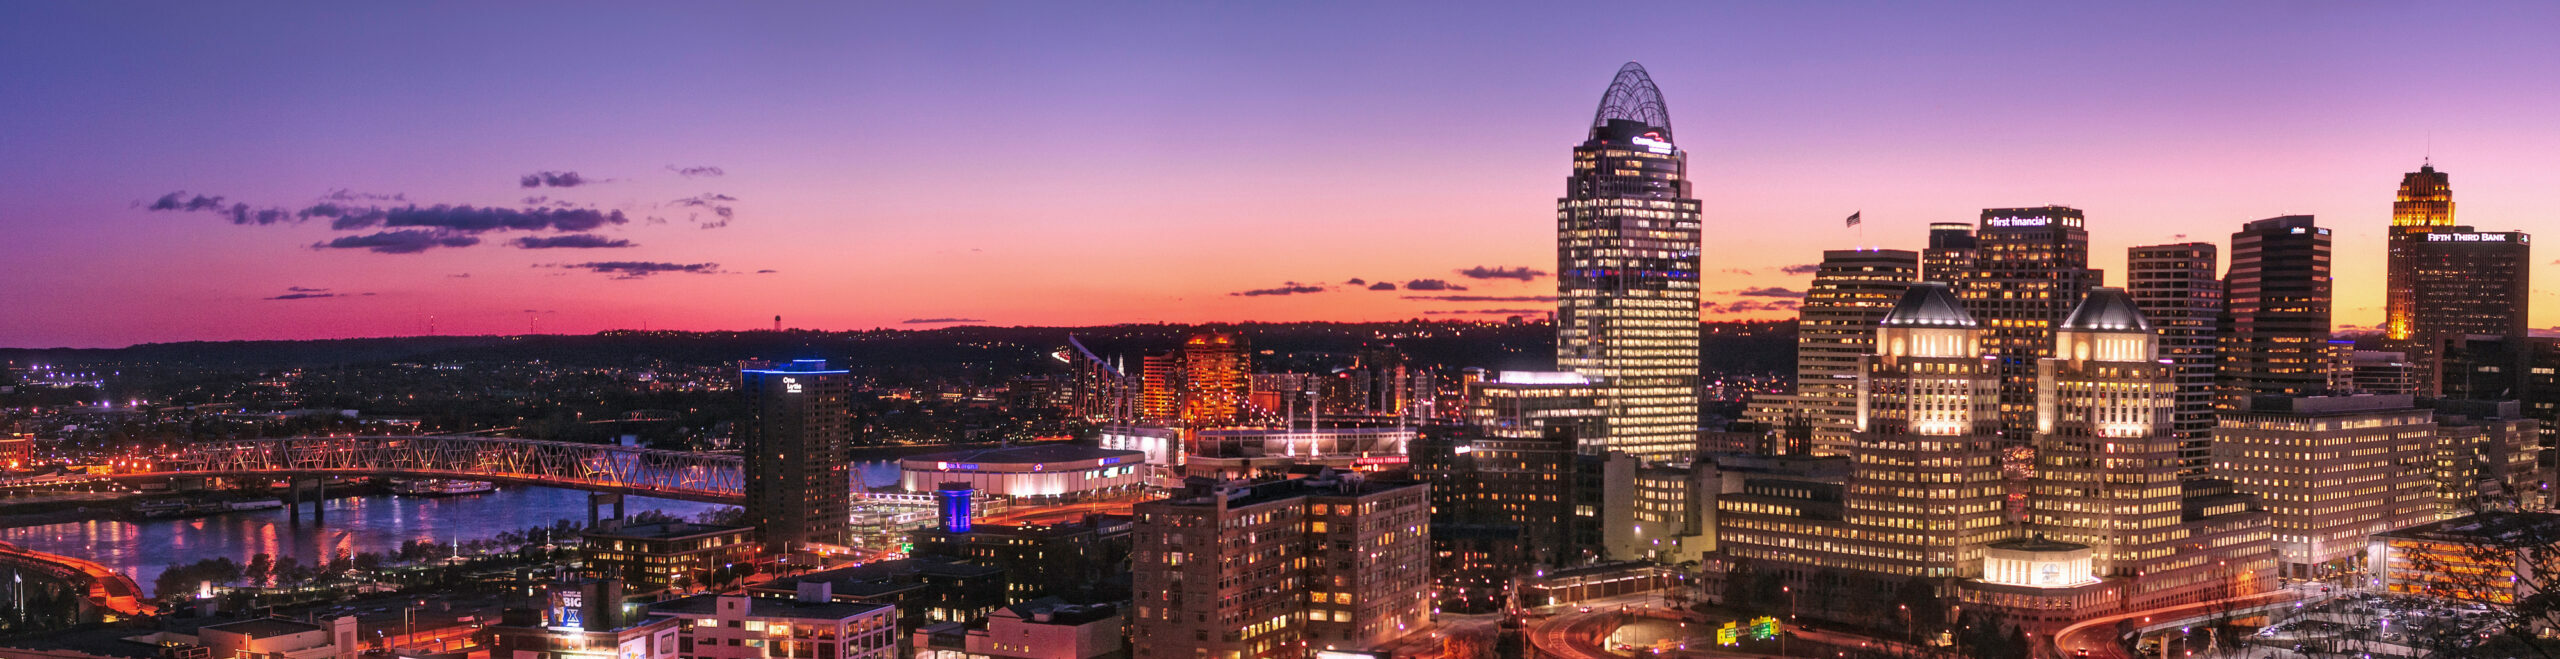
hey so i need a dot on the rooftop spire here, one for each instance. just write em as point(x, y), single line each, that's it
point(1633, 97)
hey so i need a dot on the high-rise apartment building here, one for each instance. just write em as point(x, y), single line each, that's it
point(1950, 253)
point(798, 482)
point(2331, 470)
point(2030, 266)
point(2448, 282)
point(2276, 299)
point(1627, 248)
point(1285, 568)
point(2179, 288)
point(1852, 289)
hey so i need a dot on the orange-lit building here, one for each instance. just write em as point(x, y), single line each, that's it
point(2493, 558)
point(2448, 281)
point(1214, 379)
point(17, 451)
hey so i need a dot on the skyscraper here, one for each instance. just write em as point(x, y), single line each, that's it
point(2030, 266)
point(1950, 253)
point(2276, 298)
point(1836, 327)
point(2424, 205)
point(1627, 272)
point(1214, 379)
point(2179, 288)
point(2448, 281)
point(2106, 455)
point(798, 484)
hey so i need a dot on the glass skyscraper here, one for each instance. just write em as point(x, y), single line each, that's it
point(1627, 273)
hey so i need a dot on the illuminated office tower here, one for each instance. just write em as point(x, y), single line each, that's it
point(1627, 272)
point(1160, 387)
point(2107, 462)
point(1923, 495)
point(2179, 288)
point(2029, 267)
point(1215, 382)
point(2448, 282)
point(1851, 291)
point(2424, 206)
point(2275, 337)
point(798, 482)
point(1950, 253)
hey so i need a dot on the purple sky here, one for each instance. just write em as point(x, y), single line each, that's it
point(1049, 163)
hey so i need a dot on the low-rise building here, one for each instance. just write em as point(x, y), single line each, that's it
point(809, 625)
point(2496, 558)
point(278, 638)
point(586, 620)
point(669, 554)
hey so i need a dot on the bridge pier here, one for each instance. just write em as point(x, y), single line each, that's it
point(319, 501)
point(599, 499)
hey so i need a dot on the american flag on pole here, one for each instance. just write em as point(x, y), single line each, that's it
point(1853, 218)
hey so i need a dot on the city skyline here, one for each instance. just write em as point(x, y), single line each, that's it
point(1099, 178)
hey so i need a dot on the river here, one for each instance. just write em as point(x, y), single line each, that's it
point(378, 523)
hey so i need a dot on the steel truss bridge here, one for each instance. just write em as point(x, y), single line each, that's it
point(593, 467)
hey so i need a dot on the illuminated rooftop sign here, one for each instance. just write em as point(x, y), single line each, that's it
point(1540, 377)
point(1652, 141)
point(2470, 237)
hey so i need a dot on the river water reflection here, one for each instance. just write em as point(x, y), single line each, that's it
point(379, 524)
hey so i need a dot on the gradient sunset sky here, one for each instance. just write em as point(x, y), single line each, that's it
point(1063, 163)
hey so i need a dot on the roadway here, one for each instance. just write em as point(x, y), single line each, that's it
point(2098, 635)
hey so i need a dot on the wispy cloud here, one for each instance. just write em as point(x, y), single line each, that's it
point(1432, 285)
point(1802, 269)
point(704, 171)
point(1286, 288)
point(715, 203)
point(1484, 298)
point(1769, 291)
point(571, 241)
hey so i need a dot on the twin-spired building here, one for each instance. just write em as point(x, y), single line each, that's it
point(1627, 273)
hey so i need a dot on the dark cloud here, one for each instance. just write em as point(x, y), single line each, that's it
point(1802, 269)
point(180, 201)
point(302, 296)
point(1356, 281)
point(571, 241)
point(1522, 273)
point(302, 289)
point(766, 272)
point(555, 179)
point(716, 203)
point(1769, 291)
point(1285, 288)
point(939, 321)
point(1484, 298)
point(1746, 306)
point(1432, 285)
point(1383, 286)
point(479, 219)
point(1452, 312)
point(460, 275)
point(639, 269)
point(695, 172)
point(237, 213)
point(400, 242)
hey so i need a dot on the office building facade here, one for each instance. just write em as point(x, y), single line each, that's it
point(1627, 261)
point(2179, 288)
point(2030, 265)
point(2276, 322)
point(2332, 470)
point(1851, 290)
point(1280, 568)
